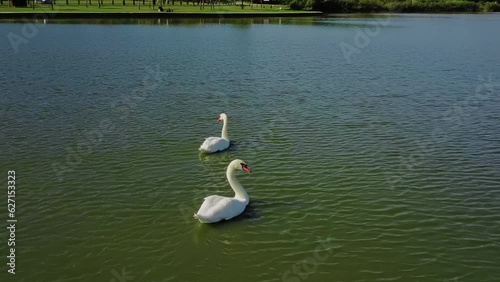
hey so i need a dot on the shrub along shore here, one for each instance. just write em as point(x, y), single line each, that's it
point(405, 6)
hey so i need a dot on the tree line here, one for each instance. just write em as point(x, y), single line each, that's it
point(399, 6)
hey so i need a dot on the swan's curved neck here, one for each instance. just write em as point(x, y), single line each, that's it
point(224, 129)
point(239, 191)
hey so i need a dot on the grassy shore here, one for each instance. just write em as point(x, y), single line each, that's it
point(146, 6)
point(299, 7)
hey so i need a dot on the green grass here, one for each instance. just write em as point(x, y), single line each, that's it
point(147, 7)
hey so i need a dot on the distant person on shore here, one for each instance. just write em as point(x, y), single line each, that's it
point(160, 8)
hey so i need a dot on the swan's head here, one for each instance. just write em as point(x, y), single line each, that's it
point(240, 165)
point(222, 117)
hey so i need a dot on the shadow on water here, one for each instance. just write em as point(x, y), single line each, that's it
point(253, 212)
point(204, 231)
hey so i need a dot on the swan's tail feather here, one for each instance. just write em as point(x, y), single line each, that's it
point(201, 218)
point(204, 148)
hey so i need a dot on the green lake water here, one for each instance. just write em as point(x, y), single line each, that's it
point(374, 144)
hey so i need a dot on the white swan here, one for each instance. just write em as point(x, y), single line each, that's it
point(216, 144)
point(216, 208)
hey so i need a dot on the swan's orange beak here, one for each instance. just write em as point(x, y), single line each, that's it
point(219, 119)
point(247, 169)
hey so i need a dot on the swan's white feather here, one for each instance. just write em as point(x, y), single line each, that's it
point(216, 208)
point(214, 144)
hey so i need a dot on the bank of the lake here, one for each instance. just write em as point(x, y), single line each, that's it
point(137, 9)
point(126, 15)
point(110, 9)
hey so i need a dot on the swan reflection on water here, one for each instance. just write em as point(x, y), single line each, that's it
point(203, 232)
point(251, 213)
point(222, 157)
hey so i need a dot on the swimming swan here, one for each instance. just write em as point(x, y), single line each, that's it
point(216, 208)
point(215, 144)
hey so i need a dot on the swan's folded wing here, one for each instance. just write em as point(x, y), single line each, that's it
point(217, 208)
point(211, 203)
point(211, 141)
point(214, 144)
point(209, 144)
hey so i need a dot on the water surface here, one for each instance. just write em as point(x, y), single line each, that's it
point(382, 164)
